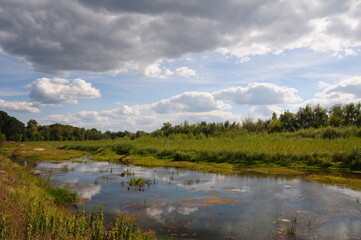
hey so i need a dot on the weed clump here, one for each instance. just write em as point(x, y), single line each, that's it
point(139, 182)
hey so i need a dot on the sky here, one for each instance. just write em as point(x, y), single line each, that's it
point(133, 65)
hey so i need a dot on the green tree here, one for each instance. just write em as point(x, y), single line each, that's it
point(289, 121)
point(305, 117)
point(336, 115)
point(349, 114)
point(13, 129)
point(275, 126)
point(31, 130)
point(320, 117)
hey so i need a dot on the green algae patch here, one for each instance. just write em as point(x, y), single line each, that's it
point(209, 201)
point(353, 183)
point(274, 171)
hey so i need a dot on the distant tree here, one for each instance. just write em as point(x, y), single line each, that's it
point(140, 134)
point(304, 117)
point(350, 114)
point(289, 121)
point(336, 115)
point(358, 114)
point(274, 116)
point(249, 125)
point(275, 126)
point(320, 117)
point(13, 129)
point(32, 130)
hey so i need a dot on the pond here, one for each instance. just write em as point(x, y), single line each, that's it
point(185, 204)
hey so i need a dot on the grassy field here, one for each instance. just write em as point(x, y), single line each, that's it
point(246, 150)
point(32, 209)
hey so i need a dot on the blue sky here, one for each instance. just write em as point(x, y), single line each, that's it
point(132, 65)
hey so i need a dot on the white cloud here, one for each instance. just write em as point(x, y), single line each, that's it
point(345, 91)
point(59, 90)
point(189, 102)
point(103, 36)
point(212, 116)
point(192, 106)
point(347, 86)
point(259, 94)
point(18, 106)
point(186, 72)
point(89, 191)
point(266, 110)
point(155, 71)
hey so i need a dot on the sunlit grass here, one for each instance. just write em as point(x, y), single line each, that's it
point(336, 180)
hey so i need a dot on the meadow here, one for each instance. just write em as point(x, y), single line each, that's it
point(242, 150)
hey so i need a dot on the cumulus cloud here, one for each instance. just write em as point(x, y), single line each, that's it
point(123, 118)
point(18, 106)
point(59, 90)
point(189, 102)
point(186, 72)
point(259, 94)
point(345, 91)
point(155, 71)
point(101, 36)
point(192, 106)
point(266, 110)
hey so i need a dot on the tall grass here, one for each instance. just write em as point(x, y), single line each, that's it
point(30, 210)
point(246, 149)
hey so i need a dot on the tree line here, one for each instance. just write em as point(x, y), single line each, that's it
point(306, 117)
point(12, 129)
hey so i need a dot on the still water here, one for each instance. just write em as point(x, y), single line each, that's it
point(185, 204)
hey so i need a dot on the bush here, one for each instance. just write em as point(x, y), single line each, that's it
point(184, 156)
point(331, 133)
point(354, 159)
point(123, 148)
point(166, 154)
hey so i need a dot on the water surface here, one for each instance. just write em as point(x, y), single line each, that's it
point(187, 204)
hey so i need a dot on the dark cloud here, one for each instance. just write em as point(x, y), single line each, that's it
point(100, 36)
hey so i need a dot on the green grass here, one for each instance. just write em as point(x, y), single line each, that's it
point(243, 150)
point(336, 180)
point(31, 209)
point(61, 195)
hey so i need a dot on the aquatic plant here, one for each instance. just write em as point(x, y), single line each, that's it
point(291, 231)
point(65, 168)
point(139, 182)
point(127, 173)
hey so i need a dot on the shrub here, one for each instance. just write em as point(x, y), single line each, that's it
point(331, 133)
point(123, 148)
point(184, 156)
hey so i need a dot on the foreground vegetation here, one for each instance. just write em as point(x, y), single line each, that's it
point(32, 209)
